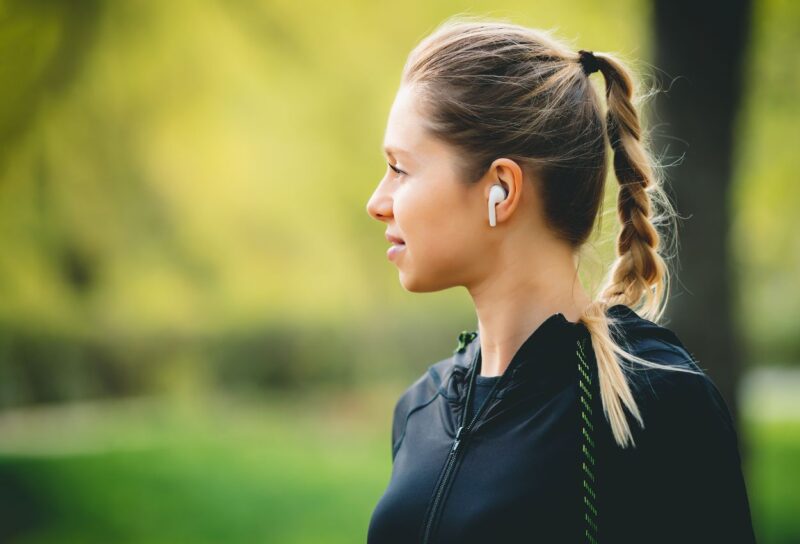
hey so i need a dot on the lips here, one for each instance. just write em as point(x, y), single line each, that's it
point(394, 239)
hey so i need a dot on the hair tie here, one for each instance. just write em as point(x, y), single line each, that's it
point(589, 62)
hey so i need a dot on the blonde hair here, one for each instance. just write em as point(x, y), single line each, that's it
point(494, 88)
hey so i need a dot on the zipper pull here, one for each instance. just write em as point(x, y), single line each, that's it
point(458, 438)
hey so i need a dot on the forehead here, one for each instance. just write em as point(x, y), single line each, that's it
point(405, 133)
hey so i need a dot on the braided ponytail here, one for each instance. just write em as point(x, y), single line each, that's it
point(639, 276)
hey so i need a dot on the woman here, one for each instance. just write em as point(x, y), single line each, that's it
point(562, 418)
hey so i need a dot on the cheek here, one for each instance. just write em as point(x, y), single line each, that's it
point(437, 232)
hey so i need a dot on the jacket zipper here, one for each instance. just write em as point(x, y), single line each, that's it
point(455, 451)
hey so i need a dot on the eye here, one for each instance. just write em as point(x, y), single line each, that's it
point(396, 170)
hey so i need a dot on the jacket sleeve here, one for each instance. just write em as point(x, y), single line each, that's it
point(398, 425)
point(402, 409)
point(691, 449)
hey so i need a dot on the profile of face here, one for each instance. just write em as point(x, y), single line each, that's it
point(442, 220)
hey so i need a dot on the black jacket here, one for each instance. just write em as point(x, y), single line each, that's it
point(538, 462)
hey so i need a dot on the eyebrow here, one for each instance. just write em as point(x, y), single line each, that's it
point(391, 151)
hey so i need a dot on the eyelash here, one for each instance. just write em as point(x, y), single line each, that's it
point(396, 170)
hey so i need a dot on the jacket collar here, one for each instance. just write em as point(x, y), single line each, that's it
point(543, 361)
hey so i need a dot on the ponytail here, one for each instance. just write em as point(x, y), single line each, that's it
point(639, 276)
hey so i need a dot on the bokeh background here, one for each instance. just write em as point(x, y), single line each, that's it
point(201, 339)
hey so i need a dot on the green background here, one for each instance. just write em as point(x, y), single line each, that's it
point(201, 339)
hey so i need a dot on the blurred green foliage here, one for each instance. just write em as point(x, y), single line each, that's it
point(766, 195)
point(773, 479)
point(226, 469)
point(183, 185)
point(182, 209)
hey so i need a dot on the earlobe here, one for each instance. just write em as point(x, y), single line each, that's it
point(497, 194)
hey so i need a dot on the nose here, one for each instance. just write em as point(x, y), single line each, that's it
point(379, 205)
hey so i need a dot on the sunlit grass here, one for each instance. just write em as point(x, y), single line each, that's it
point(773, 479)
point(220, 471)
point(288, 469)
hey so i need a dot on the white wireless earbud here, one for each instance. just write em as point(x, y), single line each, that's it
point(497, 194)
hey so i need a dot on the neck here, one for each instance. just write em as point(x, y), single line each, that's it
point(514, 301)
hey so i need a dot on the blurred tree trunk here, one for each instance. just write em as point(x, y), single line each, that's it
point(701, 48)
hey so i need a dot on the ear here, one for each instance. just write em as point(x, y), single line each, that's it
point(507, 173)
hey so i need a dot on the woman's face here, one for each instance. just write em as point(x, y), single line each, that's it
point(440, 219)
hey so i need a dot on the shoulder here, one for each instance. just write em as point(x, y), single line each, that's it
point(655, 344)
point(685, 465)
point(675, 395)
point(437, 378)
point(435, 381)
point(679, 403)
point(423, 390)
point(641, 337)
point(431, 383)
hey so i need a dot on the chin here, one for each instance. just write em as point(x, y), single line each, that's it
point(415, 284)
